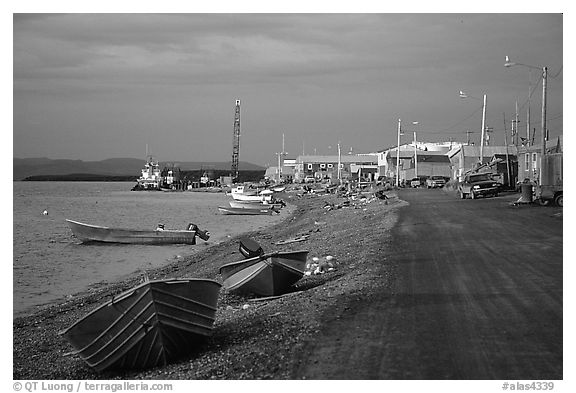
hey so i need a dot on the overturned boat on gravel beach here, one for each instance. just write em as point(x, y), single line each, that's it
point(148, 326)
point(158, 236)
point(266, 274)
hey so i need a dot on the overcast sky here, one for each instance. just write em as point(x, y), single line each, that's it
point(98, 86)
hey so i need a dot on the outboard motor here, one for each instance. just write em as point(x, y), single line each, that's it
point(250, 248)
point(204, 235)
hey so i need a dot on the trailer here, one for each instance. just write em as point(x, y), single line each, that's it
point(551, 188)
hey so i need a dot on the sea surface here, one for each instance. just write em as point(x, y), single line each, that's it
point(50, 265)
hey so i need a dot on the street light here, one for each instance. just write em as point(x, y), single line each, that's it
point(464, 95)
point(398, 155)
point(509, 63)
point(415, 123)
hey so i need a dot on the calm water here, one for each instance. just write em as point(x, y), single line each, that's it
point(49, 264)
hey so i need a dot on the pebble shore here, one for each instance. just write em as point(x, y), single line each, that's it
point(252, 338)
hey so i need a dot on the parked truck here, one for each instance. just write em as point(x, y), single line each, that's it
point(551, 188)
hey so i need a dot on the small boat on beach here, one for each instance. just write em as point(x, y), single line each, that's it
point(148, 326)
point(252, 198)
point(158, 236)
point(255, 205)
point(247, 211)
point(242, 189)
point(267, 274)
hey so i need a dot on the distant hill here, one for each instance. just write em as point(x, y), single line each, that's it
point(26, 167)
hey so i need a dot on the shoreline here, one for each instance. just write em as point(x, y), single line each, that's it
point(337, 232)
point(201, 246)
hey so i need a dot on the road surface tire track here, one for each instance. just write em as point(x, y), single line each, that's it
point(473, 291)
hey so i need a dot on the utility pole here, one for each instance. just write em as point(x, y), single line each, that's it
point(464, 95)
point(415, 157)
point(544, 85)
point(339, 164)
point(507, 158)
point(483, 130)
point(516, 121)
point(398, 156)
point(509, 63)
point(513, 136)
point(528, 115)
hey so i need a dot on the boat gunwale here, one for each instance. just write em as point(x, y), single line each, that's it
point(275, 254)
point(130, 292)
point(147, 231)
point(246, 211)
point(276, 260)
point(137, 336)
point(248, 261)
point(288, 267)
point(245, 279)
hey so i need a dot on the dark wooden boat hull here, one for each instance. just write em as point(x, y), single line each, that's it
point(150, 325)
point(94, 233)
point(266, 275)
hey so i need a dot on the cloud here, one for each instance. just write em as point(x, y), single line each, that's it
point(332, 73)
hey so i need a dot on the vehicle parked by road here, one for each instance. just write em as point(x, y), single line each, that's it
point(552, 180)
point(435, 182)
point(478, 184)
point(415, 182)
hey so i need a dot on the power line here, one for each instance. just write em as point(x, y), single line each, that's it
point(556, 117)
point(536, 84)
point(558, 73)
point(462, 121)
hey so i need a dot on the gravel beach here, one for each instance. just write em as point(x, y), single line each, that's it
point(252, 338)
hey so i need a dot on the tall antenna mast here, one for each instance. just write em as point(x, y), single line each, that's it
point(236, 142)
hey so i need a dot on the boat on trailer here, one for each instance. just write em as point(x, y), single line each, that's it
point(150, 325)
point(266, 274)
point(94, 233)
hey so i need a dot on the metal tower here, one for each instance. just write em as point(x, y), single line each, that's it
point(236, 142)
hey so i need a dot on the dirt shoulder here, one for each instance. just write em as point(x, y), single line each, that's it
point(252, 339)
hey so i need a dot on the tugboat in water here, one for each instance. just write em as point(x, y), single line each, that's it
point(151, 177)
